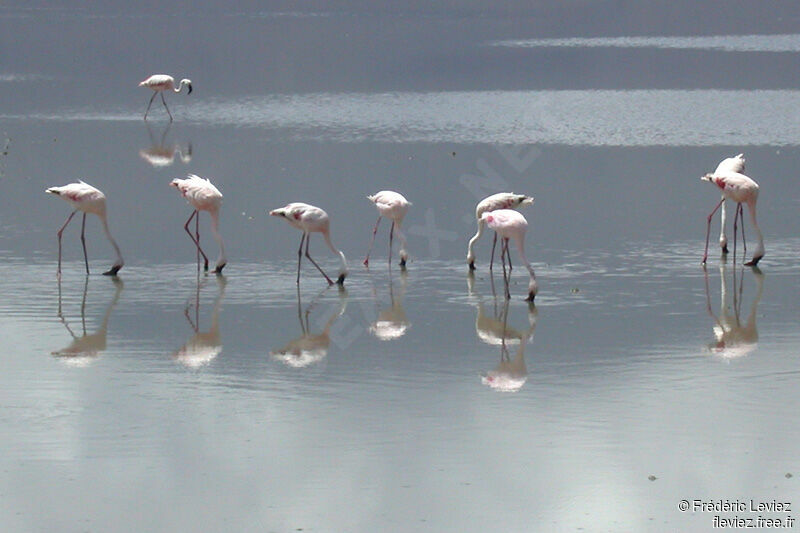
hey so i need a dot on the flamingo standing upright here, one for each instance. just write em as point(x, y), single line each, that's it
point(83, 197)
point(501, 200)
point(510, 224)
point(203, 196)
point(160, 83)
point(739, 188)
point(394, 206)
point(310, 219)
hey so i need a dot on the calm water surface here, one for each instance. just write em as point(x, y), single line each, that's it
point(416, 401)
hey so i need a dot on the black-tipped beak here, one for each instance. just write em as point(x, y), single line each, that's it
point(113, 271)
point(218, 270)
point(340, 281)
point(190, 90)
point(530, 297)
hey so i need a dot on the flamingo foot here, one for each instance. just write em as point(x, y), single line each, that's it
point(366, 262)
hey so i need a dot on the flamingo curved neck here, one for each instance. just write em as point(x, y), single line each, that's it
point(473, 240)
point(343, 268)
point(119, 261)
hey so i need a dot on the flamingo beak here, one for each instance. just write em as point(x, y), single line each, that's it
point(190, 89)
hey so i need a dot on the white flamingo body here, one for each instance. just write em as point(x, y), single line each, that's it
point(202, 195)
point(311, 219)
point(741, 189)
point(501, 200)
point(87, 199)
point(394, 206)
point(160, 83)
point(510, 224)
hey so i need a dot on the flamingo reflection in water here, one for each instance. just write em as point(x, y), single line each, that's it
point(510, 374)
point(391, 323)
point(160, 154)
point(204, 346)
point(84, 349)
point(310, 348)
point(733, 339)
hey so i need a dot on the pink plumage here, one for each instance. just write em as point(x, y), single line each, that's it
point(394, 206)
point(311, 219)
point(160, 83)
point(87, 199)
point(202, 195)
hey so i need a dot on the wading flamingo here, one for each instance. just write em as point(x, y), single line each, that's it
point(393, 206)
point(203, 196)
point(501, 200)
point(510, 224)
point(310, 219)
point(83, 197)
point(738, 188)
point(160, 83)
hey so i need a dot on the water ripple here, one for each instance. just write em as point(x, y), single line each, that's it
point(725, 43)
point(569, 117)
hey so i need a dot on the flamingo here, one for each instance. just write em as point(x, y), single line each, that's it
point(510, 224)
point(203, 196)
point(394, 206)
point(501, 200)
point(160, 83)
point(83, 197)
point(739, 188)
point(310, 219)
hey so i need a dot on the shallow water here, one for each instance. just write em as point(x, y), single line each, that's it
point(421, 400)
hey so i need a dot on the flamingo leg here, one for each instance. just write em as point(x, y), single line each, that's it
point(149, 104)
point(196, 241)
point(503, 254)
point(60, 232)
point(164, 101)
point(708, 230)
point(330, 281)
point(372, 241)
point(491, 259)
point(391, 238)
point(741, 217)
point(83, 242)
point(735, 227)
point(300, 257)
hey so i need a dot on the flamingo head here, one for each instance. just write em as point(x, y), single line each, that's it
point(188, 83)
point(707, 177)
